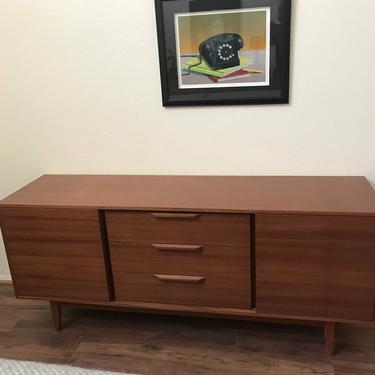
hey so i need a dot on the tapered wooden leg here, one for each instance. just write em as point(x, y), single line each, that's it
point(329, 333)
point(56, 315)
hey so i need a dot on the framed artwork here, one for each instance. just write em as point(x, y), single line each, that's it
point(224, 51)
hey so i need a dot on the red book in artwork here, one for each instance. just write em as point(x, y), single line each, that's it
point(235, 75)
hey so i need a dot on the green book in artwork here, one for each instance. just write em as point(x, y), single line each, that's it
point(204, 68)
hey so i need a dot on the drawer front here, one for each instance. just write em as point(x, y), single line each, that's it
point(179, 228)
point(217, 290)
point(185, 259)
point(181, 258)
point(206, 275)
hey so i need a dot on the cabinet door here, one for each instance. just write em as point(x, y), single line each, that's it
point(316, 266)
point(55, 253)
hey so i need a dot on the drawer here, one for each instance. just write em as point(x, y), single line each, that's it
point(216, 290)
point(178, 228)
point(180, 259)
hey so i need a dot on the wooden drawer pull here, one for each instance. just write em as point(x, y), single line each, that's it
point(178, 278)
point(169, 215)
point(182, 248)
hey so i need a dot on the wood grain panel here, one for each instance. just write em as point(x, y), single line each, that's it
point(226, 270)
point(229, 229)
point(138, 257)
point(55, 253)
point(241, 194)
point(222, 290)
point(320, 266)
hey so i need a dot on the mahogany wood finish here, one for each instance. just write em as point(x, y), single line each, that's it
point(56, 314)
point(329, 334)
point(55, 253)
point(226, 290)
point(175, 215)
point(171, 247)
point(180, 278)
point(213, 229)
point(226, 269)
point(215, 255)
point(212, 259)
point(316, 265)
point(205, 311)
point(255, 194)
point(294, 248)
point(151, 344)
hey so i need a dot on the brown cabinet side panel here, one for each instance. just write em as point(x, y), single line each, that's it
point(320, 266)
point(55, 253)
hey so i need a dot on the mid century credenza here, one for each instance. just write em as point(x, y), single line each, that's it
point(294, 248)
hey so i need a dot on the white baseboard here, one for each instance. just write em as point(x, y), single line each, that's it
point(5, 279)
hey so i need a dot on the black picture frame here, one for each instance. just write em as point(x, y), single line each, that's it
point(277, 90)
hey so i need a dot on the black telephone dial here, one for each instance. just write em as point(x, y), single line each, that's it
point(221, 51)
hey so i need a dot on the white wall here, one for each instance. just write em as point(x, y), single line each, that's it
point(80, 93)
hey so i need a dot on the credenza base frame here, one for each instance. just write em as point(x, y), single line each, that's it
point(329, 334)
point(56, 314)
point(207, 312)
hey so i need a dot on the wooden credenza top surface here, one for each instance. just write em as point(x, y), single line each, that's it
point(315, 195)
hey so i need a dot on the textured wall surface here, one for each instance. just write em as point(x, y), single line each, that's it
point(80, 93)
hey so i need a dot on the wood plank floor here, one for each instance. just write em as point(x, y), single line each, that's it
point(167, 345)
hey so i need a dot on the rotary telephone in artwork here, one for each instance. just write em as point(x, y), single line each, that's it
point(221, 51)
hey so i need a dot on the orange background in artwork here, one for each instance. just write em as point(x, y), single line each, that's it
point(193, 30)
